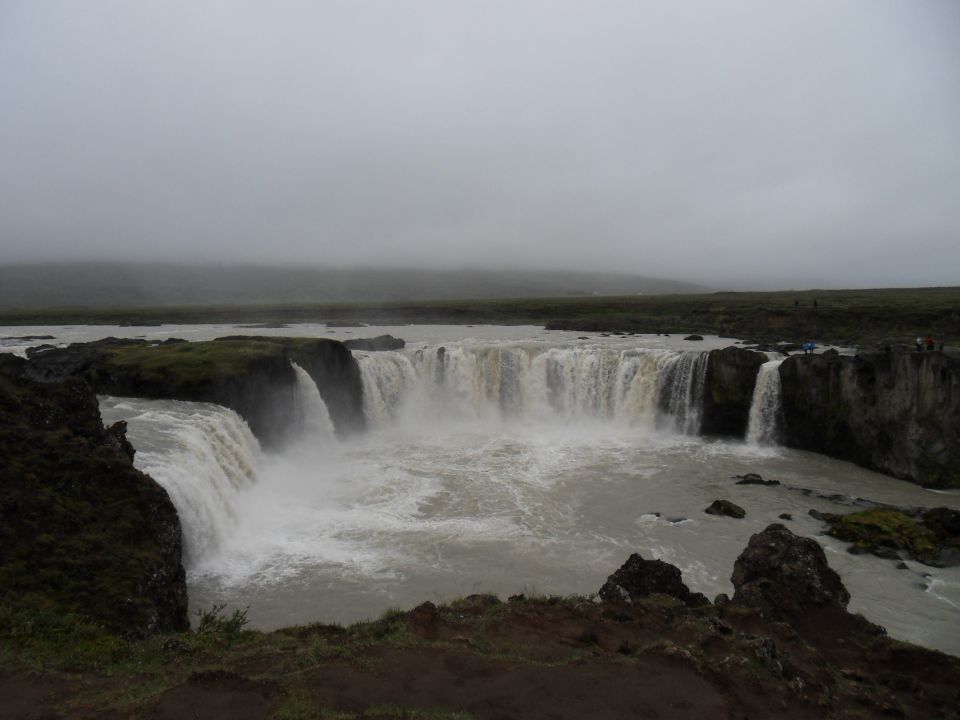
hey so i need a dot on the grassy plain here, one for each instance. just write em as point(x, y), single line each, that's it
point(863, 317)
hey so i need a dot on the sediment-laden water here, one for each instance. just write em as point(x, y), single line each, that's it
point(520, 460)
point(530, 465)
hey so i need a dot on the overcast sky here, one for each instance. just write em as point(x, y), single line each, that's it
point(770, 142)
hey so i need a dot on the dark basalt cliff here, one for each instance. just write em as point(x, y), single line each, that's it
point(897, 413)
point(731, 377)
point(251, 375)
point(81, 530)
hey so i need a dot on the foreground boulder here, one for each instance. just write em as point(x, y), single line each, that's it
point(784, 575)
point(638, 578)
point(82, 532)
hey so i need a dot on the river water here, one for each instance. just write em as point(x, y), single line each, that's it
point(515, 460)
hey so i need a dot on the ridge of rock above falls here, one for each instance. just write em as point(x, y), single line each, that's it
point(249, 374)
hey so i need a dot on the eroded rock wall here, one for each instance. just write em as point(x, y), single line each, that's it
point(897, 413)
point(731, 377)
point(81, 530)
point(251, 375)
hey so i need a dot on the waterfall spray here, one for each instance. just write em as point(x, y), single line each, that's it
point(203, 455)
point(313, 416)
point(646, 388)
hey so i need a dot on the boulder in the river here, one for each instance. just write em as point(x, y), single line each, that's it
point(638, 578)
point(755, 479)
point(694, 337)
point(727, 508)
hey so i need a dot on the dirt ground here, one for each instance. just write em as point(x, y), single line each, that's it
point(549, 659)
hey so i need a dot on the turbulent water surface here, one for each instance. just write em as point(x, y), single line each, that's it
point(515, 461)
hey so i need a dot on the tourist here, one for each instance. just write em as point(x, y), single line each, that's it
point(930, 345)
point(919, 343)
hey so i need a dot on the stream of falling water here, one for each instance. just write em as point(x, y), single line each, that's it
point(504, 467)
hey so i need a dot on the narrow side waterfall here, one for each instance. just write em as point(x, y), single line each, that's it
point(765, 406)
point(202, 454)
point(648, 388)
point(314, 417)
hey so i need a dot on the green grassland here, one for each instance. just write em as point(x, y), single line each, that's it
point(840, 316)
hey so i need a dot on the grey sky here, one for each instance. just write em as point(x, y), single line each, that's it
point(778, 142)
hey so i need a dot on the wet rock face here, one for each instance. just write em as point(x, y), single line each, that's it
point(81, 530)
point(897, 413)
point(731, 377)
point(785, 575)
point(726, 508)
point(638, 578)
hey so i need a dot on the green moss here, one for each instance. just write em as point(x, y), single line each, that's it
point(879, 528)
point(189, 364)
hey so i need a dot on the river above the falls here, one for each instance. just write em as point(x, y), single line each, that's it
point(453, 492)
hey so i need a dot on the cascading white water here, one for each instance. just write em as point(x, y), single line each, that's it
point(765, 405)
point(202, 454)
point(648, 388)
point(681, 389)
point(314, 417)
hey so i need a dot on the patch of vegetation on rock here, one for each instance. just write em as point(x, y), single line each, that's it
point(930, 538)
point(251, 375)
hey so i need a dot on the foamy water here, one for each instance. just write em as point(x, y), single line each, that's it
point(512, 477)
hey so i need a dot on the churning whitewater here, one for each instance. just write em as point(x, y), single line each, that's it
point(649, 389)
point(765, 406)
point(505, 467)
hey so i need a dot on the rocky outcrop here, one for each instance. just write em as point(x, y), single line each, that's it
point(931, 536)
point(81, 530)
point(897, 413)
point(251, 375)
point(731, 377)
point(726, 508)
point(638, 578)
point(784, 575)
point(376, 344)
point(337, 375)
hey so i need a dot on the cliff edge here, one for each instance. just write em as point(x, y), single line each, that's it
point(82, 532)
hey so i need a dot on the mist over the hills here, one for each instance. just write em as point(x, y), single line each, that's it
point(748, 143)
point(100, 284)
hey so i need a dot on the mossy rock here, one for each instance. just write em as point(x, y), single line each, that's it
point(882, 530)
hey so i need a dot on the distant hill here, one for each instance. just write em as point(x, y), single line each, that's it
point(100, 284)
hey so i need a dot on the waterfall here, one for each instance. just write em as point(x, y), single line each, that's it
point(313, 417)
point(765, 405)
point(647, 388)
point(202, 454)
point(683, 380)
